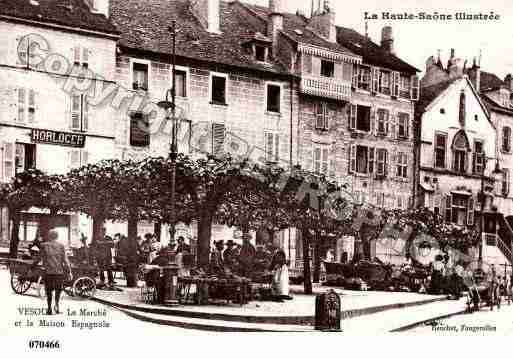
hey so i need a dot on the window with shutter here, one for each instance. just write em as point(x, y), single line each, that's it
point(382, 121)
point(332, 170)
point(317, 160)
point(322, 116)
point(352, 159)
point(354, 82)
point(85, 113)
point(470, 214)
point(478, 158)
point(375, 79)
point(31, 106)
point(371, 159)
point(395, 83)
point(415, 88)
point(403, 125)
point(9, 156)
point(364, 78)
point(381, 162)
point(76, 104)
point(22, 104)
point(505, 182)
point(218, 136)
point(385, 82)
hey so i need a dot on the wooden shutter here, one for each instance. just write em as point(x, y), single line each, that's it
point(470, 211)
point(415, 92)
point(9, 150)
point(371, 159)
point(85, 57)
point(84, 158)
point(307, 63)
point(76, 55)
point(75, 112)
point(31, 106)
point(22, 96)
point(395, 83)
point(85, 113)
point(319, 114)
point(352, 159)
point(372, 120)
point(218, 135)
point(269, 142)
point(352, 116)
point(276, 147)
point(74, 158)
point(332, 169)
point(354, 82)
point(317, 160)
point(375, 79)
point(385, 165)
point(325, 161)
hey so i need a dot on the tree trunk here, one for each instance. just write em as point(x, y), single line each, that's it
point(15, 234)
point(317, 260)
point(204, 236)
point(98, 222)
point(157, 230)
point(132, 223)
point(306, 263)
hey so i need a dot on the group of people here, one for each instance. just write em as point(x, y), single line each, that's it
point(247, 261)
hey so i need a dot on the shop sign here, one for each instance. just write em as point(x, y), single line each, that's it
point(58, 138)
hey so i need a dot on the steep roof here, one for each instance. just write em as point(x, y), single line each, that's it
point(144, 26)
point(489, 81)
point(72, 13)
point(429, 93)
point(291, 24)
point(494, 106)
point(371, 52)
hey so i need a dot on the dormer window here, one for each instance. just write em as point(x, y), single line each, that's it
point(327, 68)
point(261, 53)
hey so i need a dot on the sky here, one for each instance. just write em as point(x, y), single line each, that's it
point(416, 40)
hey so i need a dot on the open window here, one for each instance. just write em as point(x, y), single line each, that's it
point(218, 89)
point(273, 98)
point(140, 76)
point(327, 68)
point(25, 157)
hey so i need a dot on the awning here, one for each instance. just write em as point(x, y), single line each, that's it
point(427, 187)
point(462, 193)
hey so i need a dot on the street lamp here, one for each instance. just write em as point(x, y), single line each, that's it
point(170, 108)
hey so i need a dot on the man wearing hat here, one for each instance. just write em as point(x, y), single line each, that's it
point(229, 256)
point(247, 256)
point(216, 258)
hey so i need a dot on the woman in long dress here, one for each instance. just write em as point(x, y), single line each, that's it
point(280, 283)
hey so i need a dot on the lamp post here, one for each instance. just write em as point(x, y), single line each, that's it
point(170, 108)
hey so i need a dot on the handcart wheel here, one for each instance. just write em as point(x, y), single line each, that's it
point(84, 287)
point(18, 283)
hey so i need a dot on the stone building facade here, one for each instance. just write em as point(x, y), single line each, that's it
point(46, 118)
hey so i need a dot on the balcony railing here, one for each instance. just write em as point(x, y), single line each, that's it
point(325, 87)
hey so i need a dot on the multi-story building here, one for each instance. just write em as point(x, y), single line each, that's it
point(355, 106)
point(460, 170)
point(49, 53)
point(250, 80)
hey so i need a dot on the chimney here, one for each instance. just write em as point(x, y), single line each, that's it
point(99, 6)
point(208, 13)
point(275, 23)
point(387, 39)
point(474, 73)
point(323, 21)
point(508, 80)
